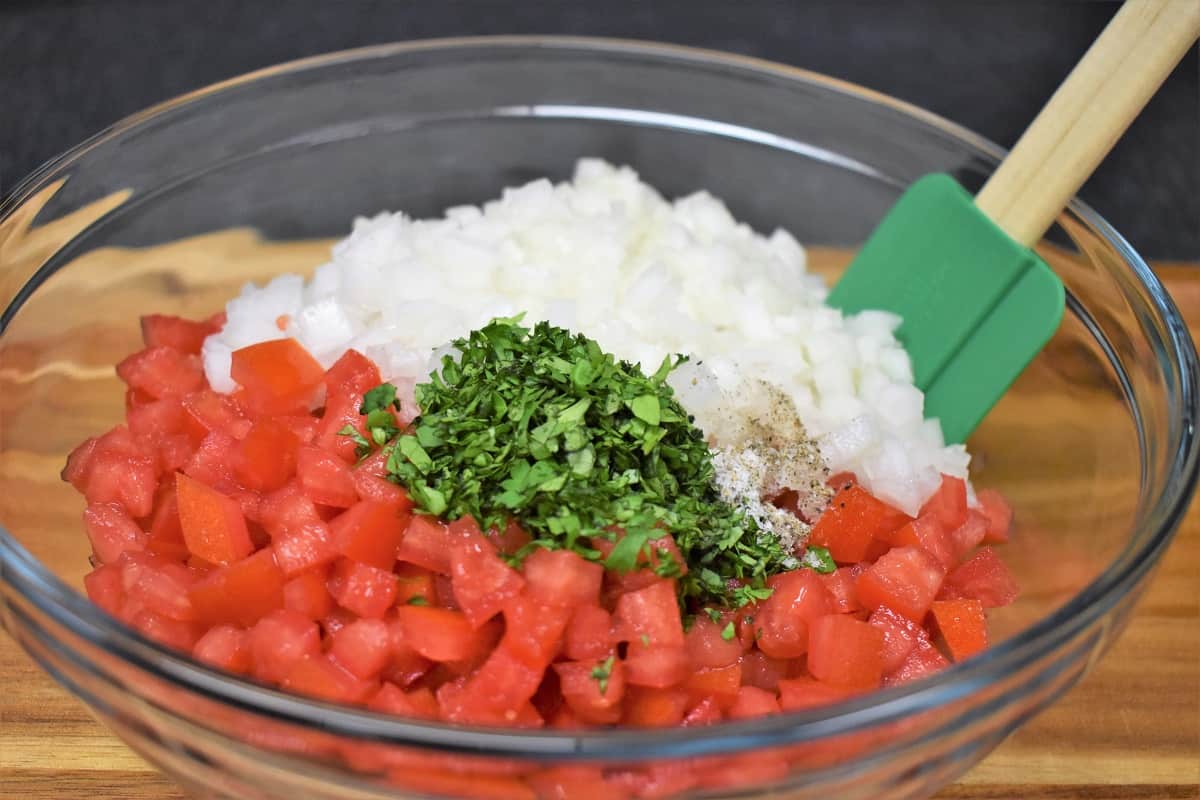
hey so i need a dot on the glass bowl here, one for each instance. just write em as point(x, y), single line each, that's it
point(173, 209)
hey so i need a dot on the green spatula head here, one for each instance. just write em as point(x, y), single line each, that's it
point(976, 306)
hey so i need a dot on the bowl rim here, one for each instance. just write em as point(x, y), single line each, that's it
point(68, 607)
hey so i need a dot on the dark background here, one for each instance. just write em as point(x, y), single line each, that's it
point(68, 69)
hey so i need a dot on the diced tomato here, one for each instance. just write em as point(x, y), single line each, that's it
point(212, 412)
point(562, 578)
point(165, 535)
point(426, 543)
point(352, 374)
point(374, 464)
point(707, 646)
point(948, 503)
point(439, 634)
point(963, 626)
point(406, 664)
point(534, 632)
point(573, 783)
point(363, 589)
point(999, 515)
point(719, 683)
point(510, 540)
point(325, 478)
point(306, 593)
point(341, 412)
point(923, 661)
point(372, 487)
point(481, 581)
point(657, 666)
point(967, 537)
point(157, 418)
point(369, 532)
point(582, 689)
point(653, 613)
point(797, 694)
point(112, 531)
point(320, 677)
point(391, 699)
point(75, 472)
point(119, 469)
point(759, 669)
point(363, 648)
point(589, 634)
point(159, 584)
point(266, 459)
point(184, 335)
point(457, 704)
point(799, 597)
point(212, 523)
point(212, 463)
point(468, 787)
point(842, 594)
point(164, 630)
point(654, 708)
point(506, 681)
point(983, 577)
point(161, 372)
point(928, 533)
point(706, 711)
point(242, 592)
point(900, 636)
point(104, 587)
point(226, 647)
point(845, 652)
point(277, 376)
point(281, 639)
point(853, 519)
point(753, 702)
point(905, 579)
point(413, 582)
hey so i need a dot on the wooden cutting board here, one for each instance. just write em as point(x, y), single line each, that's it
point(1131, 729)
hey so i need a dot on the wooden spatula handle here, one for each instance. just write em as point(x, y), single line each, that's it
point(1088, 113)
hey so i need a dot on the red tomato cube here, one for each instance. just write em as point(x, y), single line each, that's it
point(845, 652)
point(927, 533)
point(759, 669)
point(797, 694)
point(963, 626)
point(184, 335)
point(653, 613)
point(112, 531)
point(225, 647)
point(381, 490)
point(391, 699)
point(842, 594)
point(369, 532)
point(654, 708)
point(159, 584)
point(266, 459)
point(320, 677)
point(277, 377)
point(562, 578)
point(439, 634)
point(657, 666)
point(280, 640)
point(593, 689)
point(753, 702)
point(923, 661)
point(161, 372)
point(983, 577)
point(999, 516)
point(363, 648)
point(105, 588)
point(213, 525)
point(426, 543)
point(707, 646)
point(721, 684)
point(798, 598)
point(852, 521)
point(363, 589)
point(307, 594)
point(534, 632)
point(966, 537)
point(212, 412)
point(900, 636)
point(242, 592)
point(325, 478)
point(482, 583)
point(948, 503)
point(589, 634)
point(905, 579)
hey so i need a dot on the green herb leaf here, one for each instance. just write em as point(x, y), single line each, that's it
point(602, 672)
point(362, 447)
point(379, 398)
point(728, 632)
point(417, 600)
point(819, 559)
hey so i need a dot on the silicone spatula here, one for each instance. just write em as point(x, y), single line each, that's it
point(976, 303)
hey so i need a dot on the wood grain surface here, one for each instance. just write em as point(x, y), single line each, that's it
point(1130, 729)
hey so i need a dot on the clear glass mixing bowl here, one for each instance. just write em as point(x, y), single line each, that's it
point(174, 208)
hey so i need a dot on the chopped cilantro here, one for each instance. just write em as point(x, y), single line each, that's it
point(417, 600)
point(818, 559)
point(713, 614)
point(602, 672)
point(728, 632)
point(543, 426)
point(362, 447)
point(645, 637)
point(379, 398)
